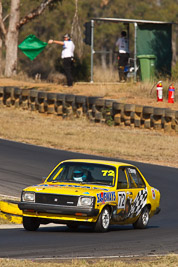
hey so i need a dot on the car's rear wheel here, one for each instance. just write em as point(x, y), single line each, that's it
point(30, 223)
point(73, 226)
point(143, 219)
point(103, 221)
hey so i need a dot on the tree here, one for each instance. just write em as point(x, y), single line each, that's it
point(15, 24)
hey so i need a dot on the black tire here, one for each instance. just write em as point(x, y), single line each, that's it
point(30, 223)
point(103, 221)
point(42, 95)
point(118, 106)
point(60, 97)
point(51, 97)
point(147, 110)
point(91, 100)
point(143, 219)
point(158, 111)
point(17, 91)
point(176, 115)
point(138, 109)
point(109, 103)
point(129, 107)
point(100, 102)
point(8, 90)
point(73, 225)
point(169, 113)
point(79, 99)
point(69, 98)
point(25, 92)
point(33, 93)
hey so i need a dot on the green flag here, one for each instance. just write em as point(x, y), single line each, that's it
point(32, 46)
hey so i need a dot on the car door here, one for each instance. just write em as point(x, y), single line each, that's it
point(130, 193)
point(138, 191)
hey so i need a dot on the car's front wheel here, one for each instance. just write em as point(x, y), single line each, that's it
point(30, 223)
point(143, 219)
point(103, 221)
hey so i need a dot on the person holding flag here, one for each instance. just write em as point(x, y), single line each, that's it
point(67, 56)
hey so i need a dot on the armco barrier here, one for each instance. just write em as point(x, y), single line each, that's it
point(96, 109)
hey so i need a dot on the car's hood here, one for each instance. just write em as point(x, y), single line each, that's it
point(69, 188)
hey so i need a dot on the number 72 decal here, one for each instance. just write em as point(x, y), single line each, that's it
point(121, 200)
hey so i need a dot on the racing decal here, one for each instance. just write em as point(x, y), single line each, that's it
point(121, 200)
point(132, 207)
point(108, 173)
point(106, 197)
point(104, 189)
point(153, 193)
point(138, 203)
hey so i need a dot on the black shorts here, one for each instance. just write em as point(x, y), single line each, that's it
point(123, 59)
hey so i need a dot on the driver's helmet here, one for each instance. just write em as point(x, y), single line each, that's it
point(79, 176)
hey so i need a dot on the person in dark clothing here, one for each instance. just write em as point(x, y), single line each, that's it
point(123, 48)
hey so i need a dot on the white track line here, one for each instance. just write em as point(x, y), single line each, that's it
point(93, 257)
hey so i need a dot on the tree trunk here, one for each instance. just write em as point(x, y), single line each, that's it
point(15, 23)
point(2, 31)
point(12, 40)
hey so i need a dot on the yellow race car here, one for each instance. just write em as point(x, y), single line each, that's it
point(90, 192)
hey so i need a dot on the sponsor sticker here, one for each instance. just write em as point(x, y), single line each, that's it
point(106, 197)
point(153, 193)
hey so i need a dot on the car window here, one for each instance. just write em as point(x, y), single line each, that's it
point(84, 172)
point(134, 178)
point(122, 180)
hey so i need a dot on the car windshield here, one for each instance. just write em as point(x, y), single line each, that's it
point(81, 172)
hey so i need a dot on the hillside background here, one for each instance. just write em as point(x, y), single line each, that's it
point(70, 16)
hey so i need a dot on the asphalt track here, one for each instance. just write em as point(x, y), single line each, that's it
point(22, 165)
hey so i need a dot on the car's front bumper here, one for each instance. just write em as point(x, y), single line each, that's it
point(56, 209)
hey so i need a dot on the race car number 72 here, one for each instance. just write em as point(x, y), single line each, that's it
point(121, 200)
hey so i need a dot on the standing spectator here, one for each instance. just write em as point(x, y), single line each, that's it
point(67, 56)
point(123, 48)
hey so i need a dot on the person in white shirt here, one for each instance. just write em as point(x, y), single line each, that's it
point(67, 56)
point(123, 49)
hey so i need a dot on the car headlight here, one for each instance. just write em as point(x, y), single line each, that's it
point(28, 196)
point(85, 201)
